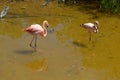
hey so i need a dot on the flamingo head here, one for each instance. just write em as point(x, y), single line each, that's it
point(45, 22)
point(96, 22)
point(96, 26)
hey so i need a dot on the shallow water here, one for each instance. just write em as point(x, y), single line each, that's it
point(66, 53)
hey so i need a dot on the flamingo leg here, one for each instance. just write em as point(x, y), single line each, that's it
point(89, 36)
point(32, 41)
point(35, 41)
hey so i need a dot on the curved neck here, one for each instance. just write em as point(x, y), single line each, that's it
point(45, 24)
point(96, 28)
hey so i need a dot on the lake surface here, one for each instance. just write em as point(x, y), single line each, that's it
point(66, 53)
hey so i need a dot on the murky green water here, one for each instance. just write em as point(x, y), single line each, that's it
point(66, 53)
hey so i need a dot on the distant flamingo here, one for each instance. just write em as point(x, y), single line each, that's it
point(60, 1)
point(4, 11)
point(36, 29)
point(46, 2)
point(91, 27)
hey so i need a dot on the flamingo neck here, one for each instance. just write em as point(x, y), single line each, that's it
point(44, 27)
point(96, 28)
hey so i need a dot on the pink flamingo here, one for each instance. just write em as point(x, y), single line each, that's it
point(36, 29)
point(91, 27)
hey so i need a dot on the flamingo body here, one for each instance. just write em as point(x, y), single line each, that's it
point(91, 27)
point(36, 29)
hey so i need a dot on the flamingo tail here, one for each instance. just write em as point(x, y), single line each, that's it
point(23, 29)
point(81, 24)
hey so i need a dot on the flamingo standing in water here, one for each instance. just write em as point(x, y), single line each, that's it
point(91, 27)
point(36, 29)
